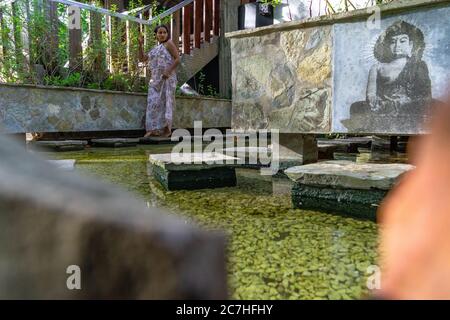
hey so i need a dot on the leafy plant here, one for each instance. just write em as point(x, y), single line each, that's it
point(273, 3)
point(72, 80)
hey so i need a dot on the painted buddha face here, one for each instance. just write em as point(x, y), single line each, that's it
point(401, 46)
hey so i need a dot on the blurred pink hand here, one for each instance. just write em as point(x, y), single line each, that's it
point(415, 221)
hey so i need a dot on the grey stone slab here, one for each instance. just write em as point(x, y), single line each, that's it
point(326, 150)
point(67, 165)
point(191, 161)
point(344, 156)
point(189, 171)
point(208, 178)
point(347, 174)
point(348, 144)
point(51, 220)
point(356, 203)
point(59, 145)
point(251, 157)
point(157, 140)
point(115, 142)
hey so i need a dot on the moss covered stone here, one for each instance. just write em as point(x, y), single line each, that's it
point(353, 202)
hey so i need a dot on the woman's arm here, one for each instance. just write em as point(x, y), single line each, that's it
point(142, 57)
point(176, 58)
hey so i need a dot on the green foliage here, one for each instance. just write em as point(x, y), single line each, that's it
point(203, 89)
point(273, 3)
point(105, 61)
point(72, 80)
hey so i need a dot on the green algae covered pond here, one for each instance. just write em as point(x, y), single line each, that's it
point(274, 251)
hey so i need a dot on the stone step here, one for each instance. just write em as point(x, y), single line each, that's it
point(343, 186)
point(347, 144)
point(115, 142)
point(189, 171)
point(347, 174)
point(156, 140)
point(63, 145)
point(344, 156)
point(250, 157)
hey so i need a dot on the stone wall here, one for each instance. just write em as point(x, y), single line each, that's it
point(283, 80)
point(325, 74)
point(27, 108)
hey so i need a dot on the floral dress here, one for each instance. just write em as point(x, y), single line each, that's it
point(161, 92)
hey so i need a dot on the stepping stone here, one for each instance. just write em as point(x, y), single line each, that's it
point(381, 144)
point(249, 157)
point(66, 165)
point(344, 186)
point(348, 144)
point(115, 142)
point(364, 150)
point(190, 171)
point(345, 156)
point(60, 145)
point(326, 151)
point(360, 204)
point(157, 140)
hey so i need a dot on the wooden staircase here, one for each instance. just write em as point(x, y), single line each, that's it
point(195, 29)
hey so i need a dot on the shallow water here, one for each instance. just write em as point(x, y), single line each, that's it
point(274, 251)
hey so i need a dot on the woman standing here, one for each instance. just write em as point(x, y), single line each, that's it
point(164, 59)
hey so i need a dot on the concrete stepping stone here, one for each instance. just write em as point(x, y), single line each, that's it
point(157, 140)
point(343, 186)
point(347, 144)
point(381, 144)
point(326, 151)
point(190, 171)
point(343, 156)
point(250, 157)
point(66, 165)
point(115, 142)
point(60, 145)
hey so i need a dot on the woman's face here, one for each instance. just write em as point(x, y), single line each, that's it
point(161, 34)
point(401, 46)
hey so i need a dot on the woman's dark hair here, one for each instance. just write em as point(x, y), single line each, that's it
point(162, 26)
point(382, 50)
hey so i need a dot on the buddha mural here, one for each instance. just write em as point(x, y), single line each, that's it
point(398, 85)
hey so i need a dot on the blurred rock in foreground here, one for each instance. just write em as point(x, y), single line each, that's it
point(50, 220)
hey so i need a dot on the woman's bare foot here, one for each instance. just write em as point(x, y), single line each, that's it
point(166, 132)
point(152, 133)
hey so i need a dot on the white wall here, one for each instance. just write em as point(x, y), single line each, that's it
point(291, 10)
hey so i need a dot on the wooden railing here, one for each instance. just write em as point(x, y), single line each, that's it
point(190, 22)
point(193, 22)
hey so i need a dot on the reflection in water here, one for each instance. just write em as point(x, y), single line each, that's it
point(275, 252)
